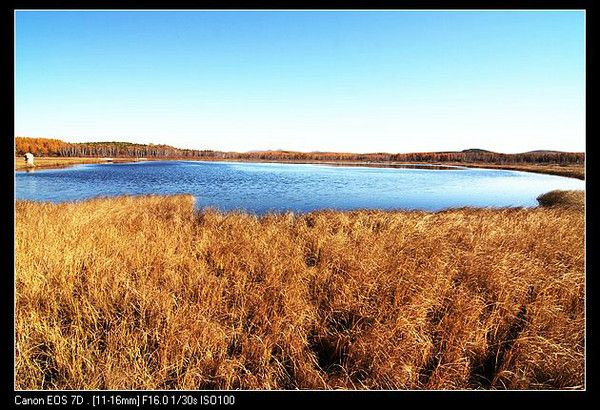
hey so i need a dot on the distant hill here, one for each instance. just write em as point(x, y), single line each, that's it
point(476, 150)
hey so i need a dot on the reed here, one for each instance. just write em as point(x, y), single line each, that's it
point(147, 293)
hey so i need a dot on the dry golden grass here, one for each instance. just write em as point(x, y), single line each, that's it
point(61, 162)
point(146, 293)
point(563, 199)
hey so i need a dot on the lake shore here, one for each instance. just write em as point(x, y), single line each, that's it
point(148, 293)
point(572, 171)
point(63, 162)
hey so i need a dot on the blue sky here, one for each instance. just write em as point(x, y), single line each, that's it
point(357, 81)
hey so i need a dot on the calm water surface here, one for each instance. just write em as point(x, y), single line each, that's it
point(261, 187)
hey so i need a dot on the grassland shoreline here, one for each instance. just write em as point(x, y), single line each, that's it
point(150, 293)
point(571, 171)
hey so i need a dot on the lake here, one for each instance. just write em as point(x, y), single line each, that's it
point(262, 187)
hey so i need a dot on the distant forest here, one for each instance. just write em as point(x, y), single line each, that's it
point(47, 147)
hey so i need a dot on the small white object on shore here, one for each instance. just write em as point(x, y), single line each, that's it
point(29, 159)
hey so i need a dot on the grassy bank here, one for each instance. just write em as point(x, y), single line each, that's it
point(573, 171)
point(144, 292)
point(61, 162)
point(570, 170)
point(563, 199)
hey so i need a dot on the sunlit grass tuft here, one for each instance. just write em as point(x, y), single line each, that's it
point(564, 199)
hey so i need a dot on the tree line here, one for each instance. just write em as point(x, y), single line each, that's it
point(48, 147)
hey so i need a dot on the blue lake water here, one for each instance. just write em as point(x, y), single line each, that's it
point(262, 187)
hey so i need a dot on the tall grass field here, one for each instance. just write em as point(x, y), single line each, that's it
point(150, 293)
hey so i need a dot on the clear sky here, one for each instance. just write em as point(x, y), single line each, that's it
point(356, 81)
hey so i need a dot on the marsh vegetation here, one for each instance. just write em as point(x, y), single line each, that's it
point(149, 293)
